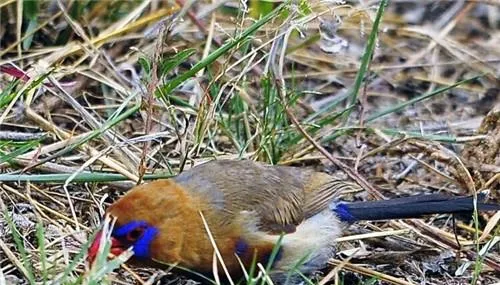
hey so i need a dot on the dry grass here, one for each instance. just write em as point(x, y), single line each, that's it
point(98, 96)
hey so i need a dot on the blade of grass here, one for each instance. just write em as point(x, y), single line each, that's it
point(24, 148)
point(296, 270)
point(40, 235)
point(79, 178)
point(167, 88)
point(401, 106)
point(314, 128)
point(24, 90)
point(74, 262)
point(394, 132)
point(367, 55)
point(97, 277)
point(274, 253)
point(28, 267)
point(8, 94)
point(431, 94)
point(415, 134)
point(111, 122)
point(328, 107)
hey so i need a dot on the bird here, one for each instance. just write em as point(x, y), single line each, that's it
point(283, 216)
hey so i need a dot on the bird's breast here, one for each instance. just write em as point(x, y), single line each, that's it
point(190, 237)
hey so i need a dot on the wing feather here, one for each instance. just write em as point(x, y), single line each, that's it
point(281, 196)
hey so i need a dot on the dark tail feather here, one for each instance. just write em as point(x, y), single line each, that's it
point(410, 207)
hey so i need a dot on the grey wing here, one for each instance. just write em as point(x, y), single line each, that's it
point(275, 193)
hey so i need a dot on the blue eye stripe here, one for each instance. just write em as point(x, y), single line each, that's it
point(125, 229)
point(141, 247)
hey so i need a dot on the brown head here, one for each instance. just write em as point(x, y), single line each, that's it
point(150, 218)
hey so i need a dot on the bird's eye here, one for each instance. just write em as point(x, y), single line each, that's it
point(135, 234)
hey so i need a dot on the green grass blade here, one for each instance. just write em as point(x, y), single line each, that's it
point(79, 178)
point(40, 235)
point(114, 119)
point(174, 61)
point(335, 102)
point(21, 248)
point(403, 105)
point(393, 132)
point(8, 94)
point(167, 88)
point(367, 55)
point(25, 147)
point(74, 262)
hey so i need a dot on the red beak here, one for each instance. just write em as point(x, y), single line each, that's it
point(116, 247)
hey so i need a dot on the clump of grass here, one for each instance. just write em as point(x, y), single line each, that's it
point(123, 93)
point(41, 270)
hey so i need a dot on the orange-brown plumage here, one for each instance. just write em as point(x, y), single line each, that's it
point(185, 240)
point(247, 206)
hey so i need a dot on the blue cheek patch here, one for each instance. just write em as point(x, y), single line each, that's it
point(142, 246)
point(125, 229)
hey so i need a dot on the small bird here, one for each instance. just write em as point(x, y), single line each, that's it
point(248, 207)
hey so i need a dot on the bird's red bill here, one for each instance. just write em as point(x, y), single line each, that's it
point(116, 247)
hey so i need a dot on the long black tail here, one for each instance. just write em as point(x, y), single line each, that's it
point(410, 207)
